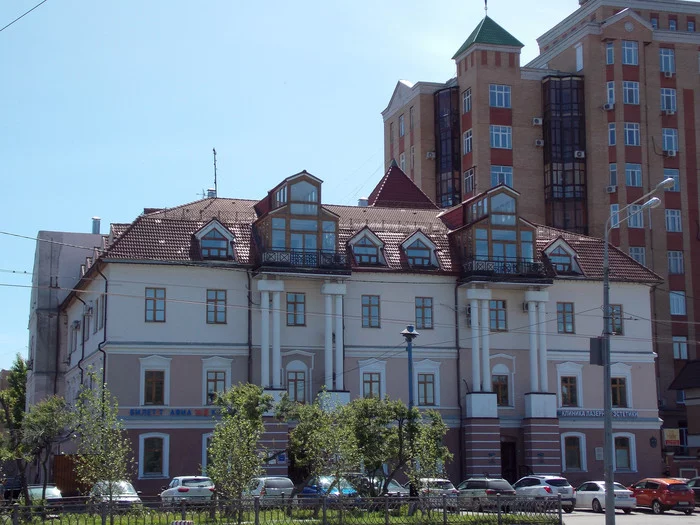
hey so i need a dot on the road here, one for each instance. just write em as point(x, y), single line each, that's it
point(639, 517)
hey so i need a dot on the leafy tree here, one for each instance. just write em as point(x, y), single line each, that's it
point(428, 452)
point(104, 450)
point(235, 453)
point(12, 404)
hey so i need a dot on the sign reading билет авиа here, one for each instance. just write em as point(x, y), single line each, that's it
point(173, 412)
point(582, 412)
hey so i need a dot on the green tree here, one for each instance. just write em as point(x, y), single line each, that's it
point(12, 404)
point(104, 450)
point(428, 452)
point(235, 454)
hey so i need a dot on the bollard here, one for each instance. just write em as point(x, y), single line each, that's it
point(560, 514)
point(15, 514)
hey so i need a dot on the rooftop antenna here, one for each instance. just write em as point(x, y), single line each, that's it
point(486, 7)
point(202, 195)
point(215, 187)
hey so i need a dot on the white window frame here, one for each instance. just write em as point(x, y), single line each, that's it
point(630, 52)
point(610, 90)
point(165, 474)
point(502, 369)
point(635, 217)
point(215, 364)
point(501, 136)
point(427, 366)
point(677, 302)
point(376, 366)
point(639, 254)
point(582, 444)
point(654, 21)
point(402, 125)
point(668, 99)
point(402, 161)
point(675, 175)
point(632, 134)
point(468, 182)
point(609, 53)
point(667, 60)
point(669, 139)
point(633, 174)
point(673, 221)
point(467, 100)
point(154, 362)
point(676, 263)
point(427, 241)
point(413, 157)
point(612, 134)
point(633, 451)
point(612, 174)
point(570, 369)
point(630, 92)
point(467, 141)
point(614, 215)
point(673, 24)
point(579, 56)
point(680, 347)
point(624, 371)
point(205, 438)
point(299, 366)
point(503, 174)
point(499, 96)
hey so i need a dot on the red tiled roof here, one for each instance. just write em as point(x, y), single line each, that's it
point(397, 190)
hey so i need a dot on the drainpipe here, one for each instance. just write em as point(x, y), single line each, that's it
point(459, 395)
point(104, 328)
point(82, 342)
point(250, 326)
point(58, 348)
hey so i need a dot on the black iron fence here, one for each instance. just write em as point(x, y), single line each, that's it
point(305, 259)
point(504, 267)
point(328, 510)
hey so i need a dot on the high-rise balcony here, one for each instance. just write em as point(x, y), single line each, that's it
point(305, 261)
point(503, 269)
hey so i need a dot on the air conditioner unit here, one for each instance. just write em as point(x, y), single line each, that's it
point(578, 154)
point(670, 153)
point(430, 155)
point(669, 112)
point(536, 121)
point(608, 106)
point(611, 189)
point(539, 142)
point(668, 74)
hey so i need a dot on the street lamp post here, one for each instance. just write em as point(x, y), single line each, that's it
point(410, 334)
point(608, 445)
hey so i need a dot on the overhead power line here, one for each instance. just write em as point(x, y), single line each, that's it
point(23, 15)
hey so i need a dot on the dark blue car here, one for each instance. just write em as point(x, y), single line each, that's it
point(325, 486)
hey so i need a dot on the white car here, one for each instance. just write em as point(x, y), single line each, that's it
point(120, 493)
point(547, 487)
point(591, 495)
point(191, 489)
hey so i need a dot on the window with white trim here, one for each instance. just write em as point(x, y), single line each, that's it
point(155, 380)
point(635, 217)
point(673, 221)
point(654, 21)
point(296, 374)
point(468, 181)
point(501, 137)
point(632, 136)
point(502, 175)
point(618, 386)
point(614, 215)
point(216, 377)
point(680, 347)
point(669, 138)
point(372, 378)
point(675, 175)
point(677, 300)
point(413, 156)
point(573, 452)
point(612, 174)
point(579, 56)
point(610, 90)
point(612, 135)
point(402, 126)
point(427, 382)
point(609, 53)
point(667, 59)
point(154, 453)
point(630, 53)
point(499, 96)
point(467, 100)
point(633, 174)
point(668, 99)
point(625, 458)
point(502, 385)
point(639, 254)
point(675, 262)
point(570, 379)
point(630, 92)
point(467, 141)
point(672, 24)
point(402, 162)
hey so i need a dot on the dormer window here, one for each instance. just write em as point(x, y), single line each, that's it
point(418, 254)
point(561, 260)
point(214, 246)
point(281, 197)
point(365, 252)
point(502, 210)
point(304, 198)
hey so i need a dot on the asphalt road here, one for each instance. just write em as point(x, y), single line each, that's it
point(638, 517)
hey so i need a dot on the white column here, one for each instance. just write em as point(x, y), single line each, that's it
point(339, 342)
point(328, 345)
point(485, 349)
point(476, 367)
point(532, 321)
point(276, 353)
point(264, 339)
point(542, 331)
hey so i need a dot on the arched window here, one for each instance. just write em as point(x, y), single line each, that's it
point(573, 446)
point(297, 384)
point(154, 451)
point(625, 452)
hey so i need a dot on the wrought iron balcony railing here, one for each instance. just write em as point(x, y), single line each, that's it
point(504, 267)
point(320, 259)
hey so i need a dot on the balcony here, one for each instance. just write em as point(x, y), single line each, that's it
point(308, 261)
point(503, 270)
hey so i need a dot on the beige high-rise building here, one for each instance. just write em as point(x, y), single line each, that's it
point(607, 110)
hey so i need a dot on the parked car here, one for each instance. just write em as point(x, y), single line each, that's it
point(591, 495)
point(481, 492)
point(121, 493)
point(190, 489)
point(373, 487)
point(432, 489)
point(547, 486)
point(11, 488)
point(694, 484)
point(327, 486)
point(271, 489)
point(662, 494)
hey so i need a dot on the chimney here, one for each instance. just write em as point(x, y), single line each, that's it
point(211, 193)
point(96, 225)
point(363, 202)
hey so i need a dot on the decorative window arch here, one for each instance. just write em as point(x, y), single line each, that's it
point(573, 452)
point(372, 366)
point(367, 248)
point(566, 396)
point(563, 258)
point(211, 380)
point(429, 370)
point(154, 455)
point(298, 381)
point(625, 456)
point(505, 397)
point(155, 363)
point(624, 371)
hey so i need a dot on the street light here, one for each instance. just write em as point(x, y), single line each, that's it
point(410, 334)
point(608, 445)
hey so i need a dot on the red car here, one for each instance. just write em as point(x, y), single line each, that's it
point(661, 494)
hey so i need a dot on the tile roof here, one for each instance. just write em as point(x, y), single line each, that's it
point(688, 377)
point(397, 190)
point(488, 32)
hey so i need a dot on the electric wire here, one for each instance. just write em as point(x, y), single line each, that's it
point(23, 15)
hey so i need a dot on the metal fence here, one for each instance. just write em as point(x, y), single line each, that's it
point(387, 510)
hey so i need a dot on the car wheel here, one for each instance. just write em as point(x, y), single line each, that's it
point(568, 510)
point(597, 507)
point(476, 504)
point(627, 511)
point(688, 511)
point(656, 507)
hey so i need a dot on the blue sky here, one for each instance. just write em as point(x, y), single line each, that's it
point(113, 106)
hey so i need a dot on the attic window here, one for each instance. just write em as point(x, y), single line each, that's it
point(214, 246)
point(561, 260)
point(365, 252)
point(418, 254)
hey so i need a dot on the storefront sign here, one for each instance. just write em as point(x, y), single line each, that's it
point(580, 412)
point(672, 437)
point(174, 412)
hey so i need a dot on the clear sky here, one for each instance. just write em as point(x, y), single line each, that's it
point(111, 106)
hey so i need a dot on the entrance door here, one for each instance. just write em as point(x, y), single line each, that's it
point(508, 462)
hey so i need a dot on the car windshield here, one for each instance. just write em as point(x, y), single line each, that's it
point(500, 485)
point(557, 482)
point(441, 484)
point(197, 482)
point(342, 483)
point(51, 492)
point(677, 487)
point(394, 485)
point(118, 487)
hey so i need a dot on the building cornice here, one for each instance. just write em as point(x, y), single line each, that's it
point(487, 47)
point(405, 92)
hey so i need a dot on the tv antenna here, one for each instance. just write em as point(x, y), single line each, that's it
point(216, 192)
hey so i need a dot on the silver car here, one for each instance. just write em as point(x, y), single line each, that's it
point(272, 490)
point(190, 489)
